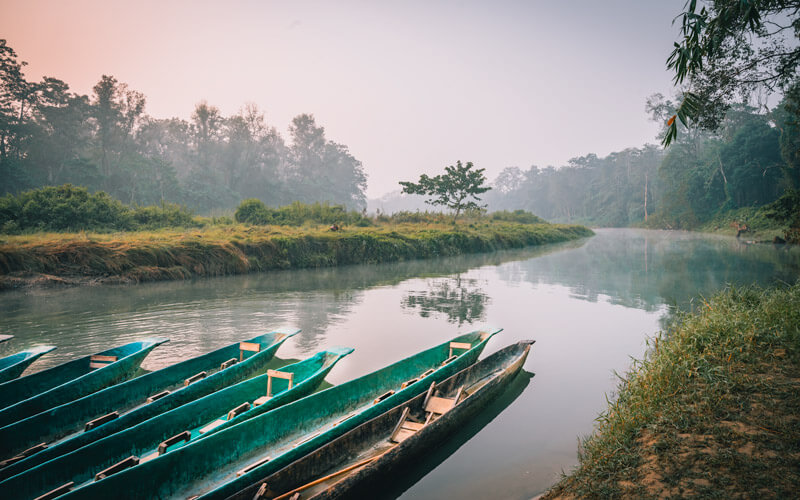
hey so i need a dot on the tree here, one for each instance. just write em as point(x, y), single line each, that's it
point(731, 49)
point(452, 189)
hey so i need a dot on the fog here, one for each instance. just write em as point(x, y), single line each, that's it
point(409, 87)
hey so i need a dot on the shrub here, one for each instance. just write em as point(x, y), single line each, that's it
point(165, 215)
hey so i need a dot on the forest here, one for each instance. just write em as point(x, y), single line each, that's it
point(51, 136)
point(106, 141)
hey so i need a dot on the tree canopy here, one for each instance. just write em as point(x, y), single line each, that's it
point(728, 51)
point(457, 189)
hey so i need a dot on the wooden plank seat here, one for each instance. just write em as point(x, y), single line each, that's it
point(306, 438)
point(382, 397)
point(459, 345)
point(93, 424)
point(117, 467)
point(213, 425)
point(405, 428)
point(437, 406)
point(427, 372)
point(450, 359)
point(177, 438)
point(271, 374)
point(195, 378)
point(248, 346)
point(252, 466)
point(408, 382)
point(157, 396)
point(99, 361)
point(228, 363)
point(346, 417)
point(30, 451)
point(57, 492)
point(238, 410)
point(260, 401)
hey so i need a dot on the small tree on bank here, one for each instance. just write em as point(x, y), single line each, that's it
point(452, 189)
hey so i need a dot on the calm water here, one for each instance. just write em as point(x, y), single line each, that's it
point(590, 305)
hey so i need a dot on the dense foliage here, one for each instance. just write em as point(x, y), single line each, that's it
point(70, 208)
point(106, 141)
point(457, 189)
point(729, 50)
point(254, 211)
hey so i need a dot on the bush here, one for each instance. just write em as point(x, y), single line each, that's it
point(519, 216)
point(253, 211)
point(73, 208)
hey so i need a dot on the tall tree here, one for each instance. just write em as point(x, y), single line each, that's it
point(457, 189)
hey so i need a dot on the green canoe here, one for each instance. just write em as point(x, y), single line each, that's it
point(41, 391)
point(367, 459)
point(227, 461)
point(200, 418)
point(77, 423)
point(12, 366)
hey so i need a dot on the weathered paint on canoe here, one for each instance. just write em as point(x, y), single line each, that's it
point(58, 385)
point(12, 366)
point(482, 382)
point(73, 415)
point(141, 440)
point(209, 466)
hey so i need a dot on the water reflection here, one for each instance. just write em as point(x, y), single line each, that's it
point(460, 300)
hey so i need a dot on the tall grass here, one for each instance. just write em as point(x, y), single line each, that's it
point(710, 411)
point(236, 249)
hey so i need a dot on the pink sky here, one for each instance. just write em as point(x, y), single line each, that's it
point(409, 86)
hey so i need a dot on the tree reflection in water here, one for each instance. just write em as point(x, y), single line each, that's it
point(460, 299)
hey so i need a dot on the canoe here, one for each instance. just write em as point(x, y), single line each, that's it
point(227, 461)
point(82, 421)
point(12, 366)
point(363, 462)
point(200, 418)
point(41, 391)
point(4, 338)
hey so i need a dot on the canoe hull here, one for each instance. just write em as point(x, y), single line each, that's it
point(19, 435)
point(12, 366)
point(81, 465)
point(208, 465)
point(129, 356)
point(374, 434)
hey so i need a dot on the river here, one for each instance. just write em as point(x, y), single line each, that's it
point(590, 304)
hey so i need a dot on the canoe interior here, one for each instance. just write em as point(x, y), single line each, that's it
point(367, 453)
point(210, 465)
point(12, 366)
point(126, 361)
point(64, 424)
point(81, 465)
point(14, 391)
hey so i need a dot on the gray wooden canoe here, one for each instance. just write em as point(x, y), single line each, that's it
point(12, 366)
point(199, 418)
point(227, 461)
point(4, 338)
point(31, 394)
point(80, 422)
point(362, 461)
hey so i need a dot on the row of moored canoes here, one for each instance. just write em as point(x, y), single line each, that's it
point(226, 425)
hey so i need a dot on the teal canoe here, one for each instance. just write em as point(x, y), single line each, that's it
point(227, 461)
point(41, 391)
point(367, 459)
point(201, 418)
point(67, 427)
point(12, 366)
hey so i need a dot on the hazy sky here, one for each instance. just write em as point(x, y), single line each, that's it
point(409, 86)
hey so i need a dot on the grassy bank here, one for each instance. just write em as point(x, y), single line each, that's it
point(74, 258)
point(711, 412)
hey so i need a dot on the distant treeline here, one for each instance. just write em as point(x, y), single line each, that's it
point(752, 160)
point(52, 136)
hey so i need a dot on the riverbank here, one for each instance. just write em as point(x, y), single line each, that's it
point(711, 412)
point(54, 259)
